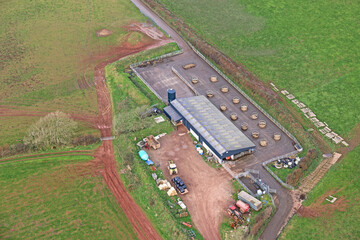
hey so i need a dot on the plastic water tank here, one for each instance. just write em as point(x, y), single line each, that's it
point(171, 95)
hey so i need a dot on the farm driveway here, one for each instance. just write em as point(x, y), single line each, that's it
point(209, 188)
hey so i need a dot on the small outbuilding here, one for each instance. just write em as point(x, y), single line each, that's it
point(210, 127)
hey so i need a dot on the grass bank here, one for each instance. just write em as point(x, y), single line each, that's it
point(128, 93)
point(341, 181)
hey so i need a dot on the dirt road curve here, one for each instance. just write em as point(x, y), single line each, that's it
point(105, 152)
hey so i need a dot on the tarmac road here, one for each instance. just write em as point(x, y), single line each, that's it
point(283, 199)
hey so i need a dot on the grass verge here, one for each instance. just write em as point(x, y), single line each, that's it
point(127, 94)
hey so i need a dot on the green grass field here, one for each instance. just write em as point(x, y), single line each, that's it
point(58, 197)
point(309, 48)
point(135, 174)
point(47, 46)
point(343, 178)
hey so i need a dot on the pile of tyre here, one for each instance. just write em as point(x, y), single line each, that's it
point(289, 162)
point(180, 185)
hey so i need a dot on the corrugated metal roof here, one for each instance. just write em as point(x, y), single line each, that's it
point(218, 130)
point(172, 113)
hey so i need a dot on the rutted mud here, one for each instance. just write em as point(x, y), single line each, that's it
point(105, 153)
point(318, 208)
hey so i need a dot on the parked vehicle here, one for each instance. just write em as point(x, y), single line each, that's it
point(172, 168)
point(233, 211)
point(244, 208)
point(253, 202)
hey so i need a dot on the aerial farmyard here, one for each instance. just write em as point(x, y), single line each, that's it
point(149, 119)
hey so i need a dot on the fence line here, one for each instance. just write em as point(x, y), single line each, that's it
point(134, 65)
point(244, 94)
point(177, 52)
point(273, 174)
point(184, 80)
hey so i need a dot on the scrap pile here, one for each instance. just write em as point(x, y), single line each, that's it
point(237, 212)
point(164, 185)
point(286, 163)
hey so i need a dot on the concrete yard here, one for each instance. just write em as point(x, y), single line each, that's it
point(209, 188)
point(161, 78)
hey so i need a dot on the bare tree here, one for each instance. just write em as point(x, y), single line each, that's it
point(55, 129)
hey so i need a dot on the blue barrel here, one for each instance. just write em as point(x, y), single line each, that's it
point(171, 95)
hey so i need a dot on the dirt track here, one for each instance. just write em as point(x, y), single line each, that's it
point(105, 152)
point(209, 189)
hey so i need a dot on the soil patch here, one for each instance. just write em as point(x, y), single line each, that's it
point(103, 32)
point(319, 208)
point(209, 188)
point(148, 29)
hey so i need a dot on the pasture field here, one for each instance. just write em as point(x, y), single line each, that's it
point(48, 52)
point(58, 196)
point(339, 220)
point(126, 95)
point(309, 48)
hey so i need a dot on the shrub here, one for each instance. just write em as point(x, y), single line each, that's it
point(55, 129)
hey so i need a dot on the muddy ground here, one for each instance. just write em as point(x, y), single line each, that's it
point(209, 188)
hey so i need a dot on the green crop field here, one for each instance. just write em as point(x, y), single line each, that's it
point(309, 48)
point(46, 48)
point(58, 197)
point(343, 182)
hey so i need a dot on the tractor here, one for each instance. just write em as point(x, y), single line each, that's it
point(172, 168)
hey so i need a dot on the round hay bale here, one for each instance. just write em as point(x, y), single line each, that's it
point(233, 116)
point(262, 124)
point(244, 107)
point(277, 136)
point(224, 89)
point(194, 80)
point(213, 78)
point(244, 126)
point(209, 94)
point(223, 107)
point(254, 115)
point(263, 142)
point(255, 134)
point(236, 100)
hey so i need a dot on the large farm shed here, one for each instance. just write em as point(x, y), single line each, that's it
point(210, 127)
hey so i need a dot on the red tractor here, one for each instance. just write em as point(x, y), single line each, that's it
point(238, 217)
point(233, 211)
